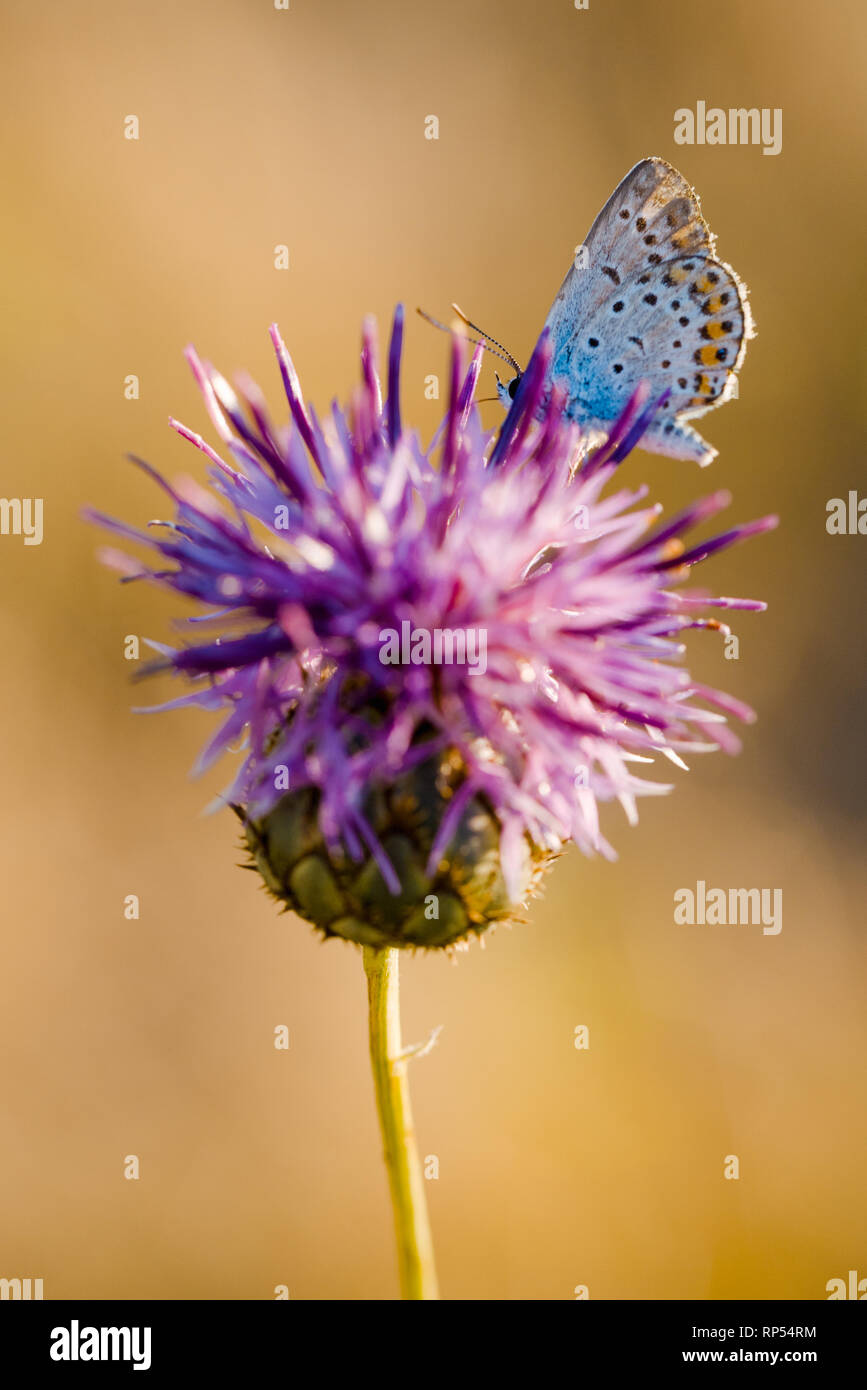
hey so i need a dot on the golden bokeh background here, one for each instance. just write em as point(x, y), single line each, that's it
point(557, 1167)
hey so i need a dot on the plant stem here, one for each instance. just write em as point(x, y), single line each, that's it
point(418, 1278)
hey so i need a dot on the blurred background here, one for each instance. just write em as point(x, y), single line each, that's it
point(557, 1167)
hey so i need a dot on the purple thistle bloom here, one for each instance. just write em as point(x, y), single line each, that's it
point(317, 539)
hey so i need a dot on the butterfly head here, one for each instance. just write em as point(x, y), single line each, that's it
point(506, 390)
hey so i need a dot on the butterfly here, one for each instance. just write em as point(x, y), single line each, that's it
point(647, 299)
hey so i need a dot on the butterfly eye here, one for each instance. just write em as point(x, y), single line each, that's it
point(513, 386)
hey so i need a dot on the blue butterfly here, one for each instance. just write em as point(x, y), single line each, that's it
point(646, 298)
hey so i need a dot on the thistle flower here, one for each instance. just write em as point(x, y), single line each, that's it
point(389, 796)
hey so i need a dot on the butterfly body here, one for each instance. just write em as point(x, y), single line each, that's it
point(648, 300)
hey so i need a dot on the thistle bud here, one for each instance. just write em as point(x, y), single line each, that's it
point(463, 892)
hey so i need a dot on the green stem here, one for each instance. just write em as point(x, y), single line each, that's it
point(418, 1278)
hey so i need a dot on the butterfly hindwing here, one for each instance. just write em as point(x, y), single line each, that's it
point(684, 327)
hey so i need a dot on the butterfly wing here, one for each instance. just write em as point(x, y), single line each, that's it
point(650, 301)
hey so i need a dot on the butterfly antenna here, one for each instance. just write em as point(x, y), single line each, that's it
point(507, 356)
point(485, 341)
